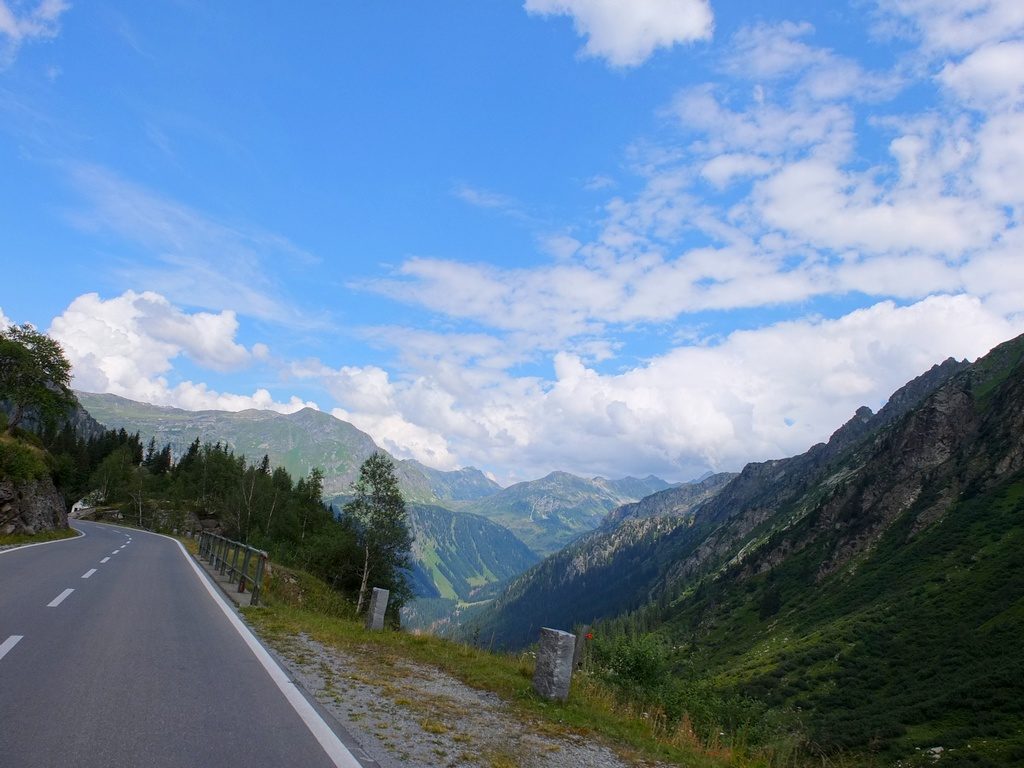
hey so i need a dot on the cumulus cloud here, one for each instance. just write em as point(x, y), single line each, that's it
point(128, 346)
point(626, 32)
point(757, 394)
point(763, 198)
point(5, 321)
point(991, 75)
point(21, 22)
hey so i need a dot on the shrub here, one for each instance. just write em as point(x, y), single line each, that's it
point(20, 463)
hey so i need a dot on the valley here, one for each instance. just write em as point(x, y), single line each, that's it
point(863, 596)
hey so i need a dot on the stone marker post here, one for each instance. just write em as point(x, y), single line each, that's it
point(554, 664)
point(581, 638)
point(378, 604)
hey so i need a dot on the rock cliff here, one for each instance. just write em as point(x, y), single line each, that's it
point(31, 507)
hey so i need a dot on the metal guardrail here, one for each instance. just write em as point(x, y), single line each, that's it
point(223, 554)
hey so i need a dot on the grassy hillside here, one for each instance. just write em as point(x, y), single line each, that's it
point(884, 602)
point(298, 441)
point(915, 645)
point(460, 552)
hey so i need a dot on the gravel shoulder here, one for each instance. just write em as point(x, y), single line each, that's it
point(409, 715)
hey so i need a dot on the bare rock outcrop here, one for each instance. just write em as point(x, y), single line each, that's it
point(31, 507)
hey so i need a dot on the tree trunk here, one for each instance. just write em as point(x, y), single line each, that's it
point(366, 579)
point(270, 516)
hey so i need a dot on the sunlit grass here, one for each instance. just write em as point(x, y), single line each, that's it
point(296, 603)
point(20, 539)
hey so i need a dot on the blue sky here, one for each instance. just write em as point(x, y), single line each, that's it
point(607, 236)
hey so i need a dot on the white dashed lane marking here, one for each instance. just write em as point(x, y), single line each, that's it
point(9, 643)
point(88, 573)
point(104, 560)
point(59, 598)
point(115, 551)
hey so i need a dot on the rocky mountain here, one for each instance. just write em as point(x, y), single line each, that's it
point(635, 487)
point(873, 584)
point(548, 513)
point(672, 502)
point(634, 561)
point(466, 484)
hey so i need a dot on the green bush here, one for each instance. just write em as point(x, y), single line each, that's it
point(633, 662)
point(20, 463)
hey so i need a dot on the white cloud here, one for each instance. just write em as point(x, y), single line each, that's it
point(723, 170)
point(992, 75)
point(5, 321)
point(762, 393)
point(19, 24)
point(958, 25)
point(1000, 170)
point(599, 182)
point(128, 345)
point(483, 198)
point(764, 128)
point(560, 246)
point(777, 52)
point(626, 32)
point(848, 211)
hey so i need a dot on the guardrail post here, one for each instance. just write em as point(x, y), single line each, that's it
point(245, 570)
point(257, 582)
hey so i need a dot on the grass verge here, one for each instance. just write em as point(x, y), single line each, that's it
point(20, 539)
point(297, 603)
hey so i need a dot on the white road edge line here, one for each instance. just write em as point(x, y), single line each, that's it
point(81, 535)
point(59, 598)
point(104, 560)
point(88, 573)
point(328, 739)
point(9, 643)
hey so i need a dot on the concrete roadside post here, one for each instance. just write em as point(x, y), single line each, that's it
point(378, 604)
point(553, 673)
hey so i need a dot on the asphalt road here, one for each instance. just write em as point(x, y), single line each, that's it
point(114, 652)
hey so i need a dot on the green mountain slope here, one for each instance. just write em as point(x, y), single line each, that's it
point(873, 586)
point(548, 513)
point(297, 441)
point(458, 552)
point(604, 572)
